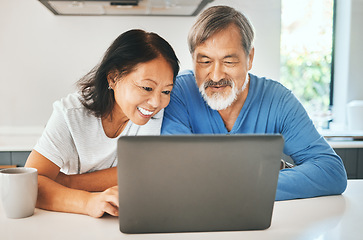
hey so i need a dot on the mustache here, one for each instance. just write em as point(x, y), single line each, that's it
point(221, 83)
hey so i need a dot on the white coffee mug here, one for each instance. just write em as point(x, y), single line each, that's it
point(19, 191)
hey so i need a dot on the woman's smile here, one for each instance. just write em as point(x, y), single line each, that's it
point(144, 112)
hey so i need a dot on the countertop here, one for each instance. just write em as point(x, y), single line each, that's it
point(324, 218)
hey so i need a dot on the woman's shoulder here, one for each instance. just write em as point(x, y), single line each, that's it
point(71, 101)
point(70, 105)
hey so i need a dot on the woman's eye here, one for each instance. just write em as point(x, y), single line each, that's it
point(149, 89)
point(166, 92)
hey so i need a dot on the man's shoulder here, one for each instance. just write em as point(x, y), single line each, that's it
point(185, 77)
point(263, 81)
point(268, 85)
point(185, 73)
point(185, 84)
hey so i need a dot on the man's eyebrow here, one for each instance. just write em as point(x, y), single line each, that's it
point(231, 56)
point(201, 55)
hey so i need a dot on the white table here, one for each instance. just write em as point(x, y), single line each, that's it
point(332, 217)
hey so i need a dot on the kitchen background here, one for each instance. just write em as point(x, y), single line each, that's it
point(42, 55)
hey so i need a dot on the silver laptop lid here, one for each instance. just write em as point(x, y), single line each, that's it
point(197, 182)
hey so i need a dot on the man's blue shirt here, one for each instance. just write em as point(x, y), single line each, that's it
point(269, 108)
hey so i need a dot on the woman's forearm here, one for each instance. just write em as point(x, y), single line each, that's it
point(97, 181)
point(53, 196)
point(54, 193)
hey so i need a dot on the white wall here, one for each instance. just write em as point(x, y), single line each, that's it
point(43, 55)
point(355, 88)
point(348, 74)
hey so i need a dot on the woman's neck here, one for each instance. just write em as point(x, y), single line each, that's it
point(114, 123)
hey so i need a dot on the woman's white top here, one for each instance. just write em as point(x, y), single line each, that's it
point(75, 141)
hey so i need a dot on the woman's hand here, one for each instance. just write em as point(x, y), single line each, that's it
point(103, 202)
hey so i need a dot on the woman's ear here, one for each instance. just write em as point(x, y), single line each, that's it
point(111, 78)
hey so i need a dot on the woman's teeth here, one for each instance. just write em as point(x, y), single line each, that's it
point(144, 111)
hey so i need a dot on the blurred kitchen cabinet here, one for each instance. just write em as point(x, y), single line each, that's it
point(17, 158)
point(353, 161)
point(5, 158)
point(360, 164)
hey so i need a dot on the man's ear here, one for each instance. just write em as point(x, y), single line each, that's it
point(250, 58)
point(193, 58)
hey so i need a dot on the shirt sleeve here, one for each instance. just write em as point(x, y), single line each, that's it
point(56, 142)
point(319, 170)
point(176, 116)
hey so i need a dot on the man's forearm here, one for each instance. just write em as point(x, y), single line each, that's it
point(311, 180)
point(97, 181)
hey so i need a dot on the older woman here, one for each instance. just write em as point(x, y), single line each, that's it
point(124, 95)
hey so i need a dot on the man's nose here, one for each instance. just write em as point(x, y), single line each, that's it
point(217, 72)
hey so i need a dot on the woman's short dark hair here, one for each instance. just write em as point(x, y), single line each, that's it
point(129, 49)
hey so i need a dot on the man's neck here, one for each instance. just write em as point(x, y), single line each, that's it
point(230, 114)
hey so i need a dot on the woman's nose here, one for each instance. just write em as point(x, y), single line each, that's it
point(154, 100)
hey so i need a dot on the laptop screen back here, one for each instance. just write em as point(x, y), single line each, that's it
point(197, 182)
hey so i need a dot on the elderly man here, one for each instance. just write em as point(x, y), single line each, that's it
point(221, 97)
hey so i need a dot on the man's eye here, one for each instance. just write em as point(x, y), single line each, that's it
point(230, 63)
point(204, 62)
point(166, 92)
point(149, 89)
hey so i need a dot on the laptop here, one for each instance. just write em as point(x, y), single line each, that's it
point(197, 183)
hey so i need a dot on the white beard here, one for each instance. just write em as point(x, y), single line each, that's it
point(217, 101)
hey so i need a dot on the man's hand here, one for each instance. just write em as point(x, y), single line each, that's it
point(285, 165)
point(103, 202)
